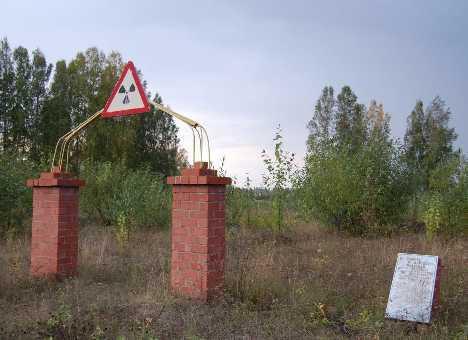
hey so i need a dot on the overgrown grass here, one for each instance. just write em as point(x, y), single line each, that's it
point(308, 283)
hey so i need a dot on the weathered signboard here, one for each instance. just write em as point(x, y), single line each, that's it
point(414, 289)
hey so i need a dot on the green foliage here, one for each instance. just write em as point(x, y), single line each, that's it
point(157, 141)
point(432, 215)
point(234, 205)
point(250, 207)
point(279, 177)
point(34, 113)
point(148, 140)
point(353, 180)
point(428, 147)
point(355, 176)
point(7, 93)
point(321, 124)
point(350, 125)
point(40, 75)
point(415, 148)
point(261, 213)
point(22, 103)
point(15, 197)
point(238, 200)
point(122, 231)
point(247, 209)
point(116, 195)
point(59, 322)
point(318, 316)
point(55, 118)
point(23, 89)
point(356, 191)
point(445, 204)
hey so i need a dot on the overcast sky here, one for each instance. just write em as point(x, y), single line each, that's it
point(243, 67)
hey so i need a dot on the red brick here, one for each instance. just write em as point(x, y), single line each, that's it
point(198, 237)
point(199, 197)
point(198, 172)
point(54, 242)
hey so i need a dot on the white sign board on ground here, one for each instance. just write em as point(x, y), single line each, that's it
point(413, 289)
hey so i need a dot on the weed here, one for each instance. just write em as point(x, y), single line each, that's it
point(279, 177)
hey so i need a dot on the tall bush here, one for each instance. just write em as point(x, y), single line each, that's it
point(15, 197)
point(445, 204)
point(115, 195)
point(354, 191)
point(354, 177)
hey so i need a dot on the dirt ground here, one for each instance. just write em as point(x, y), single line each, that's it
point(308, 283)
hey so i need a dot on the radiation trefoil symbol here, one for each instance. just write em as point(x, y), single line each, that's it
point(128, 96)
point(122, 90)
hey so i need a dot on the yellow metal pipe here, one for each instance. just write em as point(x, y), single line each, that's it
point(186, 120)
point(193, 149)
point(65, 137)
point(200, 138)
point(63, 143)
point(207, 144)
point(66, 143)
point(61, 140)
point(195, 125)
point(69, 136)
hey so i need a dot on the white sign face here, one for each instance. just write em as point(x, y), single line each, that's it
point(128, 95)
point(413, 285)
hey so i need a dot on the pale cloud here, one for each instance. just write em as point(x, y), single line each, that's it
point(243, 67)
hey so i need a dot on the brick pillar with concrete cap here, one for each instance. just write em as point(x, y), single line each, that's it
point(54, 241)
point(198, 235)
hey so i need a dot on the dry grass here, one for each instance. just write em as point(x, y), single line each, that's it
point(307, 283)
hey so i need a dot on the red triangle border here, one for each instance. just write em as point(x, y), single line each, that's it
point(141, 91)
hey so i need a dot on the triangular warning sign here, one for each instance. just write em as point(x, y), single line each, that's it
point(128, 96)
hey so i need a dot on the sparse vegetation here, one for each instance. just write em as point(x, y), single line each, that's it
point(307, 283)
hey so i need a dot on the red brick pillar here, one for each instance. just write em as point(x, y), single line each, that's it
point(198, 237)
point(54, 241)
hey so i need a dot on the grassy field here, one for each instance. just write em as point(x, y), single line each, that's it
point(308, 283)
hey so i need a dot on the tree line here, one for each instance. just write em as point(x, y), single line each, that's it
point(40, 102)
point(124, 160)
point(357, 177)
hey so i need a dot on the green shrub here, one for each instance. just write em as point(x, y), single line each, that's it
point(240, 204)
point(114, 195)
point(445, 205)
point(432, 216)
point(253, 208)
point(15, 196)
point(234, 205)
point(356, 191)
